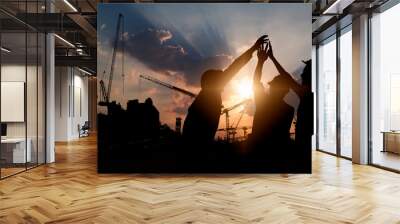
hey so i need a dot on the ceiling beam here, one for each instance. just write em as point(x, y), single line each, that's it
point(84, 24)
point(81, 61)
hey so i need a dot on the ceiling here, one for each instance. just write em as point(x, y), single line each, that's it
point(76, 22)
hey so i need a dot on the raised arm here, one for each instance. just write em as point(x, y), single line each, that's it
point(278, 66)
point(258, 87)
point(262, 57)
point(294, 85)
point(242, 60)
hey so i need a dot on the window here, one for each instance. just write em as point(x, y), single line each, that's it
point(385, 89)
point(345, 92)
point(327, 95)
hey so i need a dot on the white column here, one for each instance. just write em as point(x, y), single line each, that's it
point(50, 99)
point(360, 89)
point(50, 92)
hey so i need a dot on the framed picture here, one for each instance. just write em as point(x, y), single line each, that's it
point(204, 87)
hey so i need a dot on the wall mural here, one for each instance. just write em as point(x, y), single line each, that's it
point(204, 87)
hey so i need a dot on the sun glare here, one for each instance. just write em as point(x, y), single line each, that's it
point(244, 88)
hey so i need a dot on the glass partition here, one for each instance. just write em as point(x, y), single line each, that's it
point(31, 98)
point(385, 89)
point(327, 95)
point(13, 109)
point(22, 88)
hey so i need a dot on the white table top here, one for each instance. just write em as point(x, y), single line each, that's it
point(13, 140)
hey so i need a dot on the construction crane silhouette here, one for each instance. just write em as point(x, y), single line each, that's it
point(232, 130)
point(105, 93)
point(154, 80)
point(225, 111)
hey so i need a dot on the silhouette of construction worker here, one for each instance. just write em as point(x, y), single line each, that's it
point(304, 124)
point(202, 120)
point(260, 117)
point(273, 116)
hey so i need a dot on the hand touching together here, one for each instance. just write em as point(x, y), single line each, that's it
point(262, 53)
point(260, 41)
point(262, 57)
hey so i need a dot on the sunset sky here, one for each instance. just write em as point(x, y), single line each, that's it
point(176, 43)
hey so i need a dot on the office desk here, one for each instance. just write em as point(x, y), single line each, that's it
point(391, 141)
point(13, 150)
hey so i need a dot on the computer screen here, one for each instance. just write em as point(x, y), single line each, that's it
point(3, 129)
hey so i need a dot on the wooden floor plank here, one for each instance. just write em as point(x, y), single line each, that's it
point(71, 191)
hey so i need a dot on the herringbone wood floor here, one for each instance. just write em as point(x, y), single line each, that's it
point(70, 191)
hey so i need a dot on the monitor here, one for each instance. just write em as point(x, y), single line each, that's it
point(3, 129)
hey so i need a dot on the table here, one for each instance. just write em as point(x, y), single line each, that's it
point(391, 141)
point(13, 150)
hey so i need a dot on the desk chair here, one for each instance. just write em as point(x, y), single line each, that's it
point(84, 130)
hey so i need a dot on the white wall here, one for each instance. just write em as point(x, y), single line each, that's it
point(12, 73)
point(33, 127)
point(62, 81)
point(71, 102)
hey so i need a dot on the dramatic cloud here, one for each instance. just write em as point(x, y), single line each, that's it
point(157, 49)
point(162, 35)
point(178, 42)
